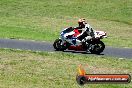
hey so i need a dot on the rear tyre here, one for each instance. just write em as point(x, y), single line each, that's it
point(97, 48)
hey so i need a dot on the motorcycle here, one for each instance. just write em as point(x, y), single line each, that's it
point(95, 45)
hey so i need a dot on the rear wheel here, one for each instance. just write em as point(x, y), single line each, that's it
point(59, 46)
point(97, 48)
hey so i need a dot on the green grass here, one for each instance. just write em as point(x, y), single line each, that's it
point(43, 20)
point(26, 69)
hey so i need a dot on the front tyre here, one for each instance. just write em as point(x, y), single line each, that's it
point(97, 48)
point(59, 46)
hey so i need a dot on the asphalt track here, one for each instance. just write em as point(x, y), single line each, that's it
point(45, 46)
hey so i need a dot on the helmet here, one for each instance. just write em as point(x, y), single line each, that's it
point(81, 23)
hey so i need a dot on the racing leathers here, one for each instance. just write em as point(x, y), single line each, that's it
point(86, 34)
point(74, 37)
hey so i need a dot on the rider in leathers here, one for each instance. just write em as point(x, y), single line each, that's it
point(87, 33)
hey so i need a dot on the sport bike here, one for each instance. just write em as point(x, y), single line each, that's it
point(94, 45)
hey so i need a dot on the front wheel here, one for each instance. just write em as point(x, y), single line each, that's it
point(59, 46)
point(97, 48)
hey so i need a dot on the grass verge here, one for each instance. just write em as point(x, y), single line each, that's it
point(26, 69)
point(43, 20)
